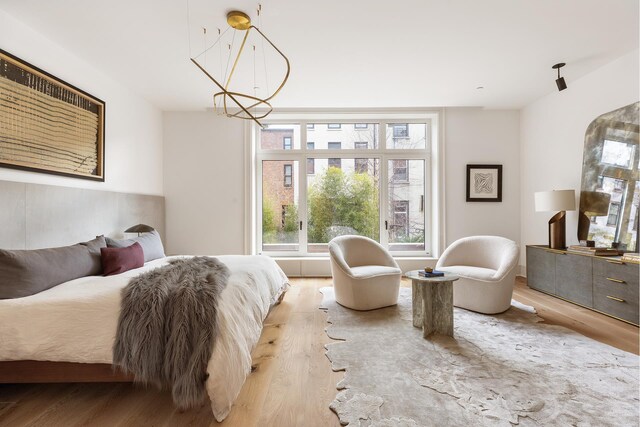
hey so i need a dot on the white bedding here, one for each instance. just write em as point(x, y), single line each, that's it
point(77, 320)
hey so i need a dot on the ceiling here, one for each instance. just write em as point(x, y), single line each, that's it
point(352, 53)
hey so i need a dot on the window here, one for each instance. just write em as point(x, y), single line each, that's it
point(311, 163)
point(362, 184)
point(335, 163)
point(619, 185)
point(311, 126)
point(400, 131)
point(286, 143)
point(618, 154)
point(361, 145)
point(361, 165)
point(400, 171)
point(406, 205)
point(288, 175)
point(400, 224)
point(614, 212)
point(276, 235)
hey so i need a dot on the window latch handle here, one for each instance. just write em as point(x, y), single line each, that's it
point(300, 225)
point(386, 225)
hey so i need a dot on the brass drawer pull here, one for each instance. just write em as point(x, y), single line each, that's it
point(616, 280)
point(612, 261)
point(615, 299)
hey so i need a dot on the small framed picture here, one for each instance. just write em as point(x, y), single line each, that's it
point(484, 183)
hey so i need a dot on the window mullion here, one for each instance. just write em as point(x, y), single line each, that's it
point(383, 189)
point(302, 190)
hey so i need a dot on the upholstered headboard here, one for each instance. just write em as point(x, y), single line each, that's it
point(37, 216)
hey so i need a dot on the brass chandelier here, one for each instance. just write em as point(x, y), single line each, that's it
point(234, 64)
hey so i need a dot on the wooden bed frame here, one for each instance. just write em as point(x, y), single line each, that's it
point(33, 371)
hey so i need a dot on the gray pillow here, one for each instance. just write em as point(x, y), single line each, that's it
point(27, 272)
point(150, 242)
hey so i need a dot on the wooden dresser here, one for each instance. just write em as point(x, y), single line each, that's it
point(604, 284)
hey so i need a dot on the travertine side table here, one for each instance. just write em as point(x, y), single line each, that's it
point(432, 299)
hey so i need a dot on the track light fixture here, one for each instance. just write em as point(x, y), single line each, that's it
point(562, 85)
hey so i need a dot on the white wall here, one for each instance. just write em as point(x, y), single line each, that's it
point(204, 181)
point(474, 135)
point(133, 134)
point(552, 133)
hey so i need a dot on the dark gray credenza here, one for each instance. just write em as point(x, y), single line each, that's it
point(604, 284)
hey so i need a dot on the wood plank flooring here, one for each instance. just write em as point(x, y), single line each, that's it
point(291, 385)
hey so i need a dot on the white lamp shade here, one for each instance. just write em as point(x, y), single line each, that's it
point(557, 200)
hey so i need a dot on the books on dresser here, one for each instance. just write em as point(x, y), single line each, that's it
point(594, 250)
point(631, 256)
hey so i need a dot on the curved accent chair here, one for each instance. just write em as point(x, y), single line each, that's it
point(365, 275)
point(486, 266)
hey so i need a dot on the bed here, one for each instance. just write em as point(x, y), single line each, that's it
point(76, 322)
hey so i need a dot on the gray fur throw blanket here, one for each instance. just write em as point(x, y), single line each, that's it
point(168, 326)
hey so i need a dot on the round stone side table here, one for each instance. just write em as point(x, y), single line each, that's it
point(432, 299)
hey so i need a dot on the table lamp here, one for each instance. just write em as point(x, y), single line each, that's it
point(556, 200)
point(139, 228)
point(592, 203)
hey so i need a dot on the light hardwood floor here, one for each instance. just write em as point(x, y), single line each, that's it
point(292, 383)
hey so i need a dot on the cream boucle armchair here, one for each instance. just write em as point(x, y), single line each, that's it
point(487, 269)
point(365, 275)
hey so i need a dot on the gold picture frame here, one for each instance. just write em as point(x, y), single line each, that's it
point(48, 125)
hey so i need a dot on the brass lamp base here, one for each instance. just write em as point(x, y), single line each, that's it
point(557, 231)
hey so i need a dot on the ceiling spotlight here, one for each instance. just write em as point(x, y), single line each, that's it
point(560, 80)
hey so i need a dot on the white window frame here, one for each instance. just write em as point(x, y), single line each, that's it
point(432, 154)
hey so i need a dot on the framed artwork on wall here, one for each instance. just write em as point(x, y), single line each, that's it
point(48, 125)
point(484, 183)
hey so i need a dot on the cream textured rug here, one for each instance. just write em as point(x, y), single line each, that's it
point(500, 370)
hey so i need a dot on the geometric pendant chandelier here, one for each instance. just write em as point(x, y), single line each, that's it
point(239, 64)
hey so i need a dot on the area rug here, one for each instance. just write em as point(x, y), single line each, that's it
point(498, 370)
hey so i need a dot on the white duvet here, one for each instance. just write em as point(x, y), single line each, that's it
point(77, 320)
